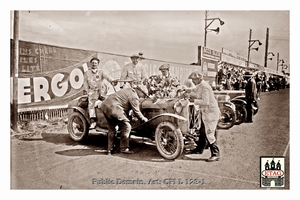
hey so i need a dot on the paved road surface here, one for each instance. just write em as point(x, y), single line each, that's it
point(57, 162)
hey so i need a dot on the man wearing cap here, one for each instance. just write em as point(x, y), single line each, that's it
point(164, 69)
point(133, 70)
point(93, 86)
point(250, 94)
point(116, 108)
point(209, 114)
point(167, 83)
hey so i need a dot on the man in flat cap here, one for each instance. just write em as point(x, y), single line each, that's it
point(133, 70)
point(164, 69)
point(93, 86)
point(209, 114)
point(167, 83)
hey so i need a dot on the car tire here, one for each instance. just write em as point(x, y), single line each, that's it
point(241, 114)
point(77, 126)
point(228, 118)
point(169, 140)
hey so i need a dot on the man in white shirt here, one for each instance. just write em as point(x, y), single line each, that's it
point(209, 112)
point(93, 82)
point(133, 70)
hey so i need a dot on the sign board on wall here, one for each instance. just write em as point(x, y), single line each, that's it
point(232, 60)
point(209, 53)
point(209, 69)
point(51, 75)
point(210, 59)
point(40, 58)
point(253, 66)
point(181, 71)
point(233, 54)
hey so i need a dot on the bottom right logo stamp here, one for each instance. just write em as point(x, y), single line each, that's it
point(272, 171)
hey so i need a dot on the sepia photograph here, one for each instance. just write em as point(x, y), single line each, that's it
point(191, 98)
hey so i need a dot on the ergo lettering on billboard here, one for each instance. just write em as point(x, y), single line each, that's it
point(43, 88)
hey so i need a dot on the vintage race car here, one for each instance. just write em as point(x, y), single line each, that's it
point(173, 122)
point(167, 127)
point(237, 97)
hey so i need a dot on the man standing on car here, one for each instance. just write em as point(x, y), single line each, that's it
point(116, 108)
point(134, 70)
point(93, 82)
point(251, 95)
point(209, 114)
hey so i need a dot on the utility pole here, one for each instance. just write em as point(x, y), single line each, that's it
point(14, 107)
point(249, 45)
point(277, 61)
point(199, 55)
point(205, 28)
point(267, 46)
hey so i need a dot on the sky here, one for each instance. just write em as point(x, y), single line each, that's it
point(170, 35)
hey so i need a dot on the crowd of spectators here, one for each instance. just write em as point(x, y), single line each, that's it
point(233, 79)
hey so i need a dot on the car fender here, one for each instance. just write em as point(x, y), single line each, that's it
point(227, 104)
point(171, 115)
point(239, 101)
point(239, 97)
point(242, 100)
point(82, 111)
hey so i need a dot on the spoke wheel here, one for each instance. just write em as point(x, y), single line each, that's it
point(169, 140)
point(77, 126)
point(228, 118)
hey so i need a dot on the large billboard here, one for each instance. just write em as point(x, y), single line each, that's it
point(52, 76)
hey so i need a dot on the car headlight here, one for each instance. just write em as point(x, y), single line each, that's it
point(178, 107)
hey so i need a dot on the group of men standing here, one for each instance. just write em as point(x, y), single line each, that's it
point(116, 105)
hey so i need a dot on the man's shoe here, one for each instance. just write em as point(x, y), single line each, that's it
point(93, 125)
point(213, 159)
point(126, 151)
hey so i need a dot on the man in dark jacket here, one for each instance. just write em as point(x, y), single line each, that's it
point(116, 108)
point(251, 95)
